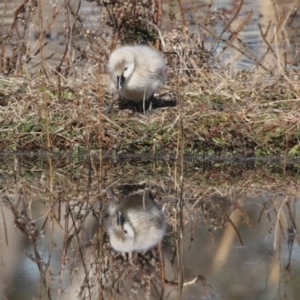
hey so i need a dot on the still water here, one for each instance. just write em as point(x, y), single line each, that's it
point(239, 224)
point(240, 237)
point(277, 21)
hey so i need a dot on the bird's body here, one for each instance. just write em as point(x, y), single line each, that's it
point(136, 72)
point(136, 224)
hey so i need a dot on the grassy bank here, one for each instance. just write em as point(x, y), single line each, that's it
point(220, 109)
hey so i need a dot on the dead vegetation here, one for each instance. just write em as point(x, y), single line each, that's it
point(58, 105)
point(70, 218)
point(217, 146)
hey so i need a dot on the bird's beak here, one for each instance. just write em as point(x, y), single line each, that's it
point(120, 81)
point(120, 218)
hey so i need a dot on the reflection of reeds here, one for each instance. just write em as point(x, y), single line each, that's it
point(72, 226)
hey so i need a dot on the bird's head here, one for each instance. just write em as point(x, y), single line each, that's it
point(122, 64)
point(123, 235)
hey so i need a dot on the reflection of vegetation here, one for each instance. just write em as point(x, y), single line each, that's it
point(79, 199)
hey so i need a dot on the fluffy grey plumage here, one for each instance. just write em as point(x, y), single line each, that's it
point(136, 224)
point(136, 72)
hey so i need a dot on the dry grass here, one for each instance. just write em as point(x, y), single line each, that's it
point(222, 138)
point(253, 112)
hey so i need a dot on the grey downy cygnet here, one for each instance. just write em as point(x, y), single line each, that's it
point(137, 223)
point(136, 72)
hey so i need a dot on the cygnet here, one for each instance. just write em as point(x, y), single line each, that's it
point(136, 224)
point(136, 72)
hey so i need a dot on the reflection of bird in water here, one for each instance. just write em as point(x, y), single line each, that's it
point(136, 72)
point(136, 224)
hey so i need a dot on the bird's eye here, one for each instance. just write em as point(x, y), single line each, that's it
point(125, 68)
point(125, 231)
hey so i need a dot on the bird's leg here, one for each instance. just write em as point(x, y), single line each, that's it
point(142, 105)
point(115, 98)
point(130, 258)
point(150, 102)
point(162, 270)
point(124, 255)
